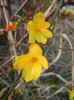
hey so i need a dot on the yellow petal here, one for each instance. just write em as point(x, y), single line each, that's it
point(39, 18)
point(21, 61)
point(11, 23)
point(62, 11)
point(51, 28)
point(36, 71)
point(27, 72)
point(46, 33)
point(31, 72)
point(30, 25)
point(72, 95)
point(31, 37)
point(43, 61)
point(45, 25)
point(35, 49)
point(66, 12)
point(40, 38)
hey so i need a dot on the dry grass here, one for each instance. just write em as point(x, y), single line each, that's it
point(50, 85)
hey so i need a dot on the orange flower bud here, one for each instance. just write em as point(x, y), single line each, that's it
point(10, 28)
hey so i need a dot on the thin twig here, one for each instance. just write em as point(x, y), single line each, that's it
point(48, 10)
point(53, 10)
point(56, 12)
point(6, 62)
point(19, 9)
point(25, 36)
point(10, 35)
point(60, 77)
point(13, 86)
point(56, 48)
point(4, 82)
point(4, 72)
point(2, 29)
point(58, 55)
point(71, 47)
point(58, 91)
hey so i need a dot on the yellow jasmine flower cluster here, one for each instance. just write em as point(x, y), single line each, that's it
point(67, 12)
point(38, 29)
point(31, 63)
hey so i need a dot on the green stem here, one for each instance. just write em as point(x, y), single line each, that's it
point(56, 12)
point(13, 86)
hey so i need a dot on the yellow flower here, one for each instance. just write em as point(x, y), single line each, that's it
point(20, 91)
point(66, 12)
point(51, 28)
point(31, 63)
point(38, 29)
point(72, 95)
point(61, 10)
point(72, 12)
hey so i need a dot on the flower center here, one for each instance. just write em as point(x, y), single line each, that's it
point(36, 29)
point(34, 59)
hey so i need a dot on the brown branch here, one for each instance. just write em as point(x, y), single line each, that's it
point(7, 71)
point(51, 13)
point(19, 9)
point(10, 35)
point(25, 36)
point(2, 29)
point(64, 48)
point(49, 9)
point(8, 7)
